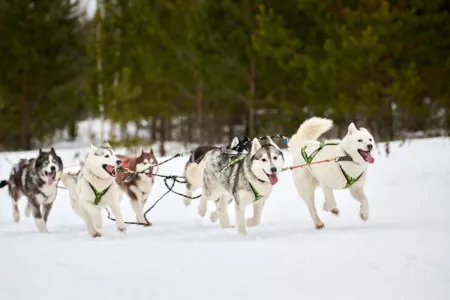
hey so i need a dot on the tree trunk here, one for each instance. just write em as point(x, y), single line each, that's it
point(162, 135)
point(200, 114)
point(25, 135)
point(251, 107)
point(152, 129)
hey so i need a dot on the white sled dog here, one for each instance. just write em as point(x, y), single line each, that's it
point(349, 171)
point(94, 187)
point(248, 180)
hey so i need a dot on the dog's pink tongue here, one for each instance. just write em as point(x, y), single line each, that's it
point(273, 179)
point(110, 168)
point(369, 157)
point(50, 179)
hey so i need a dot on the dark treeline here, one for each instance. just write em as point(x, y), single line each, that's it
point(205, 70)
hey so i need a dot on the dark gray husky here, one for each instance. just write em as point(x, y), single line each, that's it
point(37, 179)
point(193, 173)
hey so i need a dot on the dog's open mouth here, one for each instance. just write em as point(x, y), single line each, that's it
point(366, 156)
point(110, 170)
point(273, 178)
point(51, 177)
point(149, 172)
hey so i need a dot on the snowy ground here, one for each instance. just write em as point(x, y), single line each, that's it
point(403, 252)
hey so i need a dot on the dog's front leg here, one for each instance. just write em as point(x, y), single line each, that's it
point(330, 201)
point(89, 223)
point(36, 211)
point(257, 213)
point(240, 218)
point(115, 207)
point(47, 207)
point(358, 194)
point(93, 212)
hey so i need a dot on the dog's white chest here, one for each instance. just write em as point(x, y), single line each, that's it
point(47, 194)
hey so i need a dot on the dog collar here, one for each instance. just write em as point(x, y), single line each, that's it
point(98, 195)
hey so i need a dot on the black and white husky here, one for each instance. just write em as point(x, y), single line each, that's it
point(37, 179)
point(249, 181)
point(94, 187)
point(193, 171)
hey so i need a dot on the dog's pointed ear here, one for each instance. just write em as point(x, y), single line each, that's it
point(140, 151)
point(256, 145)
point(234, 142)
point(152, 152)
point(52, 150)
point(272, 143)
point(246, 139)
point(93, 148)
point(106, 144)
point(40, 151)
point(352, 128)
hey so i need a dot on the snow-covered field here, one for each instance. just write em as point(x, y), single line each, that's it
point(403, 252)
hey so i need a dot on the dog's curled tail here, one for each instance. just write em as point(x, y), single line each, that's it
point(3, 183)
point(194, 174)
point(310, 129)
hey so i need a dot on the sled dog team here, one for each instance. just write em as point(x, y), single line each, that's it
point(243, 172)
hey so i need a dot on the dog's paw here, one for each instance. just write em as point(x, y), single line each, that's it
point(122, 228)
point(228, 225)
point(187, 201)
point(96, 234)
point(335, 211)
point(213, 216)
point(251, 222)
point(364, 213)
point(202, 210)
point(16, 218)
point(320, 225)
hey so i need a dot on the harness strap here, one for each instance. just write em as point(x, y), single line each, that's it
point(309, 158)
point(350, 180)
point(258, 196)
point(98, 195)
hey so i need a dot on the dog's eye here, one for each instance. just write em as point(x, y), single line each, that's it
point(370, 140)
point(263, 160)
point(275, 158)
point(106, 156)
point(360, 140)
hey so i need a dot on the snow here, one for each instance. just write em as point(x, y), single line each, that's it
point(402, 252)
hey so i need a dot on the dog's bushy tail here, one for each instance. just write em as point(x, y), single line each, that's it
point(3, 183)
point(310, 129)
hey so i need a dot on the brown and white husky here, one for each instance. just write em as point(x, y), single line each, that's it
point(139, 187)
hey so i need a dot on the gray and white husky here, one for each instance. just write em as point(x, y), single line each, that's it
point(94, 187)
point(249, 181)
point(349, 172)
point(37, 179)
point(193, 171)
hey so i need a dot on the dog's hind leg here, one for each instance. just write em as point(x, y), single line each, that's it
point(28, 210)
point(16, 212)
point(221, 212)
point(330, 202)
point(307, 193)
point(203, 206)
point(358, 194)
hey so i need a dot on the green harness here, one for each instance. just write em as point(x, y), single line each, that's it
point(309, 158)
point(98, 195)
point(258, 196)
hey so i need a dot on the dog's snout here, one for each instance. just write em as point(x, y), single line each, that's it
point(273, 169)
point(52, 168)
point(118, 162)
point(370, 146)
